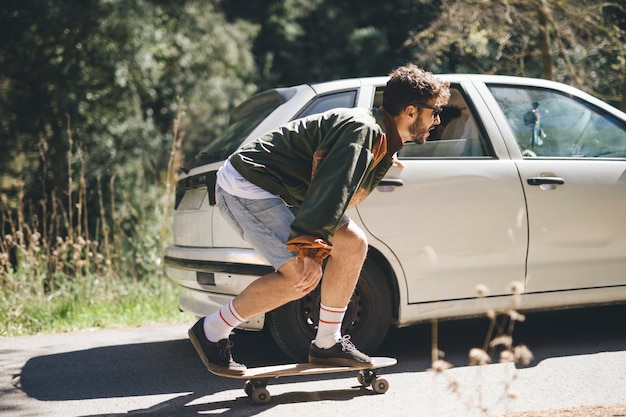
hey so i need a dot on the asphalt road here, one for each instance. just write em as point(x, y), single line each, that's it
point(580, 359)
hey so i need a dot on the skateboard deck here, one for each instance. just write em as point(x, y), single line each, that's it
point(257, 378)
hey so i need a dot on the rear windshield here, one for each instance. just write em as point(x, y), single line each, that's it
point(244, 119)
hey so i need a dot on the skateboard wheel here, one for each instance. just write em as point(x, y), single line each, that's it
point(260, 395)
point(361, 378)
point(248, 387)
point(380, 385)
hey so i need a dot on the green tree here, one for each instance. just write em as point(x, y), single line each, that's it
point(89, 94)
point(577, 42)
point(319, 40)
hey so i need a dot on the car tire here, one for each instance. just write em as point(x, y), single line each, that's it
point(367, 320)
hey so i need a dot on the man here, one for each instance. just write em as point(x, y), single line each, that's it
point(286, 193)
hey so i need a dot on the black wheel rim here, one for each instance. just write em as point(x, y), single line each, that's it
point(308, 310)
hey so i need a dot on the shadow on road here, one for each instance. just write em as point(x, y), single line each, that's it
point(241, 406)
point(547, 334)
point(135, 369)
point(172, 367)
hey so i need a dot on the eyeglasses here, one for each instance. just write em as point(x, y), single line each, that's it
point(436, 110)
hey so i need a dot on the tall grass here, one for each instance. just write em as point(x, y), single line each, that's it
point(63, 268)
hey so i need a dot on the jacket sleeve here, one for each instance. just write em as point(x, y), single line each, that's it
point(337, 172)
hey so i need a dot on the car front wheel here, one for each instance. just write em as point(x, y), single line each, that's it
point(294, 325)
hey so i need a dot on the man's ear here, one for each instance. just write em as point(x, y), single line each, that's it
point(410, 111)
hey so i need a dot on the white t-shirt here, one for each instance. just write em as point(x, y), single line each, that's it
point(233, 183)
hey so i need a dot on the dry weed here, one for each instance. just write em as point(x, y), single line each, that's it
point(499, 339)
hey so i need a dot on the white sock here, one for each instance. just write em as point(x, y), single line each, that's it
point(329, 327)
point(218, 325)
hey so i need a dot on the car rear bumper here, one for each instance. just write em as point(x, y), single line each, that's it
point(211, 277)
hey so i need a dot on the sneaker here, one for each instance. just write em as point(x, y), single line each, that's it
point(344, 353)
point(217, 356)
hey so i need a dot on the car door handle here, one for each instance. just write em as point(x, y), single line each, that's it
point(545, 181)
point(391, 183)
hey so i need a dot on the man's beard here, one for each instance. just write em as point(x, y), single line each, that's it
point(418, 134)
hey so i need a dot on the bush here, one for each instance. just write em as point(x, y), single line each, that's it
point(66, 283)
point(68, 271)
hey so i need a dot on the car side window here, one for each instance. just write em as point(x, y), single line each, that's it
point(329, 101)
point(457, 136)
point(549, 123)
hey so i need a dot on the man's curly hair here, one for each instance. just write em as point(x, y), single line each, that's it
point(411, 84)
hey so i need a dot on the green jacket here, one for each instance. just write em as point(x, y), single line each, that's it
point(321, 164)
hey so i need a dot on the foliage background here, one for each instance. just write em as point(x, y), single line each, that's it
point(101, 102)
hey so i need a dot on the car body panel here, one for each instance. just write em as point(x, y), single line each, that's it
point(583, 246)
point(480, 232)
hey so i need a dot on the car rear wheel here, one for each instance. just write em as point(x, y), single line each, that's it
point(293, 326)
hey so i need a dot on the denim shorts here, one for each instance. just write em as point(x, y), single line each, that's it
point(265, 224)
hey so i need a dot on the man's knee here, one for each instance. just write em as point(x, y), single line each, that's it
point(350, 239)
point(291, 273)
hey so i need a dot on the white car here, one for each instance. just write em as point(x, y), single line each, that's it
point(524, 181)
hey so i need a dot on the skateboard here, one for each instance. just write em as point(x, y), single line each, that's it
point(255, 386)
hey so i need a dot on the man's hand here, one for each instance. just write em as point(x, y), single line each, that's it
point(311, 276)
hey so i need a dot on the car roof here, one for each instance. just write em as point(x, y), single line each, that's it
point(323, 87)
point(380, 81)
